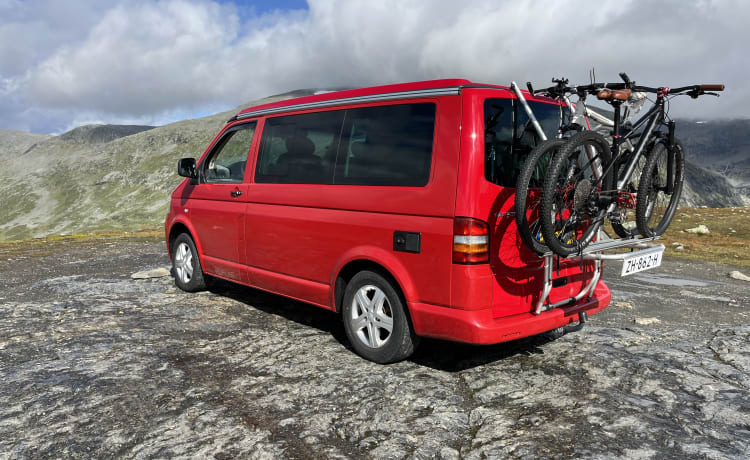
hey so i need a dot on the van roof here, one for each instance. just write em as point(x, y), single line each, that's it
point(373, 93)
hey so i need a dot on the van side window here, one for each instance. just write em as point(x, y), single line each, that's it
point(299, 149)
point(387, 145)
point(226, 163)
point(509, 137)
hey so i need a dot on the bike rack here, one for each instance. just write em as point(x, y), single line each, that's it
point(595, 252)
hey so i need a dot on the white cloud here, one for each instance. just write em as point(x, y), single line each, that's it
point(146, 60)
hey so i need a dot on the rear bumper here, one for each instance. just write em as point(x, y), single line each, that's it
point(480, 327)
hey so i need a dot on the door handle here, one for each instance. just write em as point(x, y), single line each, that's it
point(235, 193)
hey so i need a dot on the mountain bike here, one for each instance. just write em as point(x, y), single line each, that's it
point(589, 178)
point(574, 117)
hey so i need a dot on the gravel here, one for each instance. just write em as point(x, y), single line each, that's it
point(96, 364)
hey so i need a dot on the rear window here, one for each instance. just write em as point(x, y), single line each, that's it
point(509, 136)
point(383, 145)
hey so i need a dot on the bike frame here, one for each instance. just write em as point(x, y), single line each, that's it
point(649, 122)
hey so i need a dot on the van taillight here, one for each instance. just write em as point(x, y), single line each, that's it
point(471, 241)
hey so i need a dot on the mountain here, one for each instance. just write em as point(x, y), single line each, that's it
point(15, 143)
point(101, 177)
point(723, 147)
point(98, 177)
point(705, 187)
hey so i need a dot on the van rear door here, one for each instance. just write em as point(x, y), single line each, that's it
point(518, 271)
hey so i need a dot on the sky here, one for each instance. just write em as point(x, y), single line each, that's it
point(68, 63)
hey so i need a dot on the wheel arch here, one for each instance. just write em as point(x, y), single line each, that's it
point(181, 226)
point(391, 269)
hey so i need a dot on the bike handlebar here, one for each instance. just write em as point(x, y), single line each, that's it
point(561, 88)
point(693, 90)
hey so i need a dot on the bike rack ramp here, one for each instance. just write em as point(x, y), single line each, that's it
point(595, 252)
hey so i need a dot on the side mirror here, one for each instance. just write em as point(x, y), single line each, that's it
point(186, 168)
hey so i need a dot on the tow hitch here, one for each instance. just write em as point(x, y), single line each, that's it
point(583, 317)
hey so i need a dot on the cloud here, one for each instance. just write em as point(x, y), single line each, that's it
point(148, 60)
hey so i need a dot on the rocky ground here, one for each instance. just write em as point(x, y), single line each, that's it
point(96, 364)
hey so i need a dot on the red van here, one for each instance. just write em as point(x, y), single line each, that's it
point(390, 205)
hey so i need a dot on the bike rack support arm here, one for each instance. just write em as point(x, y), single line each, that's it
point(528, 110)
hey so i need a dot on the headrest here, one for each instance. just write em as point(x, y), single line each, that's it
point(300, 145)
point(358, 148)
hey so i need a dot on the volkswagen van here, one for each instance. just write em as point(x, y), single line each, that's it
point(391, 206)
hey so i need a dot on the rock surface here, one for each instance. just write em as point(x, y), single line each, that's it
point(95, 364)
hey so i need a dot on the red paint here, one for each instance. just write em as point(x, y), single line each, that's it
point(294, 239)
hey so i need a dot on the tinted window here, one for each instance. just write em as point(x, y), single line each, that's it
point(227, 161)
point(300, 149)
point(509, 136)
point(387, 145)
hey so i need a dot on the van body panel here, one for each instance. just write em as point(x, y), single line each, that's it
point(290, 286)
point(306, 243)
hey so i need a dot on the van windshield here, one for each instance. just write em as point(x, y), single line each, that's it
point(509, 136)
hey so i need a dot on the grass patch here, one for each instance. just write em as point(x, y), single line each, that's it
point(38, 247)
point(727, 243)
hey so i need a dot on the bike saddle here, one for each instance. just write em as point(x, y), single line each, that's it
point(613, 95)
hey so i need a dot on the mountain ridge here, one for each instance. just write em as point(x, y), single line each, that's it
point(101, 133)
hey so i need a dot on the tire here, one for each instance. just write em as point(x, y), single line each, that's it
point(371, 307)
point(527, 203)
point(624, 224)
point(186, 266)
point(655, 208)
point(569, 212)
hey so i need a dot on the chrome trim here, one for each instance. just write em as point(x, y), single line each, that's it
point(450, 91)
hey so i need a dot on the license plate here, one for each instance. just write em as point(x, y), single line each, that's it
point(642, 260)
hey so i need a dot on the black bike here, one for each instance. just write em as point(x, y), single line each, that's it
point(574, 118)
point(590, 179)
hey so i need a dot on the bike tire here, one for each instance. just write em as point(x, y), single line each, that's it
point(655, 208)
point(565, 191)
point(527, 202)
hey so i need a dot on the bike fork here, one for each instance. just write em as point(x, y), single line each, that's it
point(670, 158)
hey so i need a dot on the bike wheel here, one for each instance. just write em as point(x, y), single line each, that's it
point(528, 194)
point(656, 206)
point(623, 219)
point(570, 212)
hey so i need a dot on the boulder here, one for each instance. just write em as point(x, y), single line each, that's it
point(738, 275)
point(699, 230)
point(646, 321)
point(154, 273)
